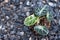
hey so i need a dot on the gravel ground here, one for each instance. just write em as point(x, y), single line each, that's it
point(13, 13)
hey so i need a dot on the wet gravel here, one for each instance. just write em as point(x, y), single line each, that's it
point(13, 13)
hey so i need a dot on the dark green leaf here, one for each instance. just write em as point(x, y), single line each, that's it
point(49, 16)
point(42, 30)
point(41, 11)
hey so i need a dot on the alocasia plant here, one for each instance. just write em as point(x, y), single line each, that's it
point(35, 18)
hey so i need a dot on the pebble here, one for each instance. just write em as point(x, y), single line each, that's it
point(52, 4)
point(6, 1)
point(20, 33)
point(21, 2)
point(19, 37)
point(44, 1)
point(21, 7)
point(30, 38)
point(3, 28)
point(0, 26)
point(2, 19)
point(56, 0)
point(43, 39)
point(5, 37)
point(13, 37)
point(8, 24)
point(27, 13)
point(27, 3)
point(39, 3)
point(12, 32)
point(59, 10)
point(32, 5)
point(12, 26)
point(7, 17)
point(25, 9)
point(15, 16)
point(59, 21)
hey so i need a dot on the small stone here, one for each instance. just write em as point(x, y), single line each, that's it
point(15, 16)
point(12, 6)
point(2, 19)
point(3, 28)
point(59, 22)
point(12, 32)
point(6, 1)
point(20, 6)
point(11, 26)
point(8, 24)
point(59, 10)
point(55, 0)
point(13, 37)
point(7, 17)
point(27, 13)
point(21, 2)
point(30, 38)
point(44, 1)
point(43, 39)
point(5, 36)
point(0, 26)
point(25, 9)
point(52, 4)
point(18, 37)
point(39, 2)
point(28, 3)
point(20, 33)
point(32, 5)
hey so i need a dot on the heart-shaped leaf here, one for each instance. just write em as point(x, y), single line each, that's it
point(42, 30)
point(49, 16)
point(41, 11)
point(31, 20)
